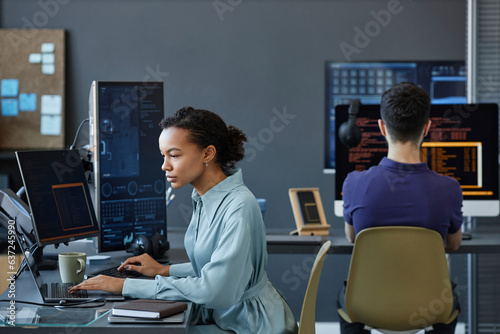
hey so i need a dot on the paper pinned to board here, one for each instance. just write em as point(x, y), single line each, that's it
point(9, 87)
point(35, 58)
point(27, 102)
point(10, 108)
point(48, 58)
point(50, 125)
point(49, 69)
point(51, 105)
point(48, 47)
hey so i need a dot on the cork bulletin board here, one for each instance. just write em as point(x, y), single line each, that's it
point(32, 84)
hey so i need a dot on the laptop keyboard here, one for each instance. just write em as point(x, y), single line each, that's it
point(113, 272)
point(60, 290)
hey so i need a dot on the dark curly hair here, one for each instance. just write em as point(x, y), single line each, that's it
point(207, 128)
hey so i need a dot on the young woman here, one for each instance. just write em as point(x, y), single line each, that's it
point(225, 241)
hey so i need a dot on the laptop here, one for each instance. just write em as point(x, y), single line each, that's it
point(61, 211)
point(57, 291)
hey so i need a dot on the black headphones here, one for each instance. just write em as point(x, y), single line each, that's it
point(349, 132)
point(155, 247)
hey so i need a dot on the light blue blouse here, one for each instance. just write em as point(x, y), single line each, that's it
point(226, 278)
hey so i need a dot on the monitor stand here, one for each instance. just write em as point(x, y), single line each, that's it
point(468, 225)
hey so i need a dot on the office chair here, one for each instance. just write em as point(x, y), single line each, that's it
point(398, 280)
point(308, 313)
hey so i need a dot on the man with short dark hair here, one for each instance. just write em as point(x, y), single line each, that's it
point(402, 190)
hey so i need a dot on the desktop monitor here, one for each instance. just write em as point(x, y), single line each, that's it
point(462, 143)
point(58, 195)
point(445, 81)
point(128, 183)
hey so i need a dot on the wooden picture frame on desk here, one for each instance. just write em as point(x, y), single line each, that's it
point(308, 212)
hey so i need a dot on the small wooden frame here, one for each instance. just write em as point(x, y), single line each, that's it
point(308, 212)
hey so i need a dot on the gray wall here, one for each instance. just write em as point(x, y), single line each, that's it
point(249, 62)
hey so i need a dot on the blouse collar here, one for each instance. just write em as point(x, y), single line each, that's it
point(213, 197)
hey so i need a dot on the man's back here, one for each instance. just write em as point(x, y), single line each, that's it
point(394, 193)
point(402, 190)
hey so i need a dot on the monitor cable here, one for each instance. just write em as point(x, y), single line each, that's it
point(77, 133)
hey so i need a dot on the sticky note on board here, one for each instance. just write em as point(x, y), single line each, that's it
point(48, 58)
point(47, 47)
point(27, 102)
point(10, 107)
point(48, 69)
point(35, 58)
point(51, 105)
point(50, 125)
point(9, 87)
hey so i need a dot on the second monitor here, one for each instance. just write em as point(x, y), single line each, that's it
point(462, 143)
point(129, 183)
point(58, 196)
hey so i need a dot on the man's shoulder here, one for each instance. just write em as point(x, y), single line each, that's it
point(370, 172)
point(445, 180)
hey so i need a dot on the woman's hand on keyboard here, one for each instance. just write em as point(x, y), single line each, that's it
point(101, 282)
point(145, 265)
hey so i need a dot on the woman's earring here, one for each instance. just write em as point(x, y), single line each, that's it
point(206, 163)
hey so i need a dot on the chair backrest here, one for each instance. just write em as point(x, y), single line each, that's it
point(398, 279)
point(308, 314)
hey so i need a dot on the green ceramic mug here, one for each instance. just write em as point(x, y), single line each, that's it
point(72, 267)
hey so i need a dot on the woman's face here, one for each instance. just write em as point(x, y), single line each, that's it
point(183, 161)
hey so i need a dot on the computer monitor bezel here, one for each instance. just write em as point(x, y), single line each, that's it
point(94, 138)
point(71, 161)
point(330, 106)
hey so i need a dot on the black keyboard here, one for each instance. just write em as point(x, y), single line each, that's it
point(61, 290)
point(113, 272)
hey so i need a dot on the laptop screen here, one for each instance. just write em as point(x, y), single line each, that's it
point(58, 195)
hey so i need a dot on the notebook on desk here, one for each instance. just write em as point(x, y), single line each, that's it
point(173, 319)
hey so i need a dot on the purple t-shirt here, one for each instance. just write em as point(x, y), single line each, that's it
point(399, 194)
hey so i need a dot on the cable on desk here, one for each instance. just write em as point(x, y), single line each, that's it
point(64, 303)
